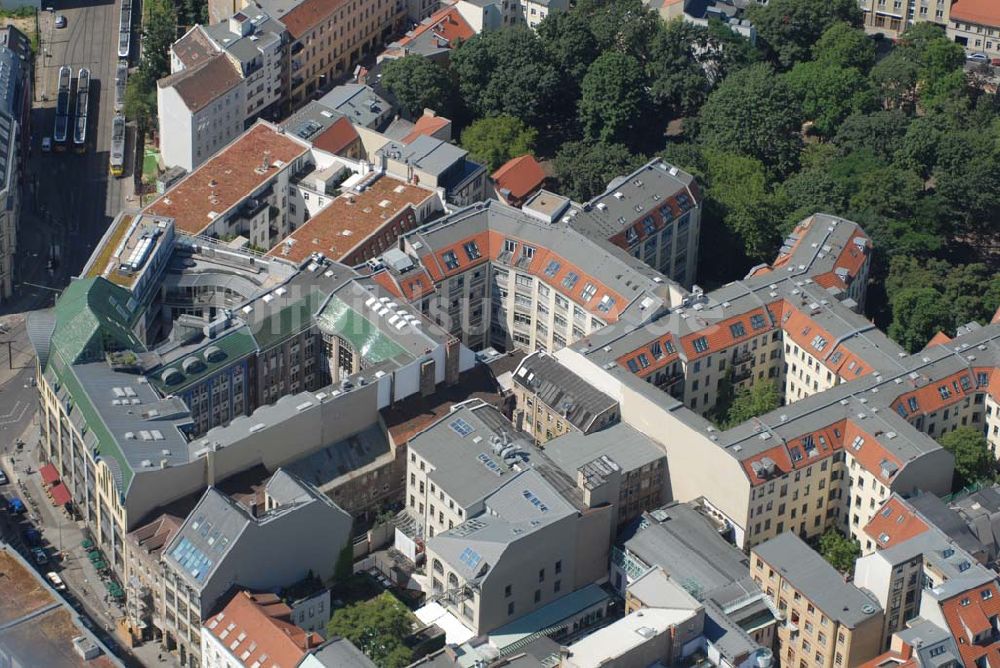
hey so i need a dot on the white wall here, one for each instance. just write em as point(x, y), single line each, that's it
point(175, 129)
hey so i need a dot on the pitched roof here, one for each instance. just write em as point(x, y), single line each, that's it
point(351, 219)
point(520, 176)
point(306, 15)
point(337, 137)
point(257, 628)
point(227, 178)
point(894, 523)
point(938, 339)
point(194, 47)
point(90, 314)
point(967, 614)
point(426, 125)
point(446, 24)
point(203, 83)
point(983, 12)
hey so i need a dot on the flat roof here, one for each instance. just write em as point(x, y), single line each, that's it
point(229, 177)
point(350, 219)
point(619, 638)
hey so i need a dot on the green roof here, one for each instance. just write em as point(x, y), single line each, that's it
point(107, 445)
point(291, 319)
point(366, 339)
point(233, 346)
point(92, 316)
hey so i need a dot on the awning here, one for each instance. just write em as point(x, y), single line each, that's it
point(49, 474)
point(60, 495)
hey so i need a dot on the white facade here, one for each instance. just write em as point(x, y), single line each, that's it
point(189, 138)
point(214, 654)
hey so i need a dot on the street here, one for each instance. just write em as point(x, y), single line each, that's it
point(69, 199)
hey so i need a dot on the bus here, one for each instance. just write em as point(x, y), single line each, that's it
point(118, 146)
point(62, 108)
point(82, 99)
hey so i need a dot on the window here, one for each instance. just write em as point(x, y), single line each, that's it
point(559, 567)
point(510, 608)
point(450, 260)
point(472, 250)
point(589, 290)
point(643, 360)
point(757, 321)
point(648, 226)
point(606, 304)
point(527, 251)
point(557, 586)
point(570, 280)
point(541, 575)
point(509, 245)
point(538, 595)
point(552, 269)
point(737, 330)
point(944, 391)
point(507, 591)
point(700, 344)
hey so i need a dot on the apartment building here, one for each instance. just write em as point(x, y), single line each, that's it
point(222, 544)
point(254, 628)
point(435, 163)
point(975, 24)
point(920, 644)
point(15, 108)
point(518, 179)
point(529, 12)
point(968, 608)
point(551, 401)
point(325, 40)
point(828, 622)
point(143, 594)
point(437, 31)
point(681, 543)
point(907, 554)
point(892, 17)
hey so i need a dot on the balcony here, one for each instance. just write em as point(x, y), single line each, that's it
point(741, 357)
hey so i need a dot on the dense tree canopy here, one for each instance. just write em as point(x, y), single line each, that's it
point(377, 627)
point(613, 98)
point(496, 139)
point(973, 460)
point(417, 84)
point(840, 551)
point(759, 398)
point(584, 169)
point(790, 28)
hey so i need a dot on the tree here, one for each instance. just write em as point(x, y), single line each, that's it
point(378, 627)
point(507, 72)
point(754, 113)
point(417, 84)
point(918, 313)
point(759, 398)
point(625, 26)
point(584, 169)
point(159, 32)
point(894, 79)
point(739, 195)
point(790, 28)
point(677, 81)
point(497, 139)
point(973, 459)
point(140, 98)
point(828, 93)
point(570, 44)
point(840, 551)
point(613, 99)
point(845, 46)
point(879, 133)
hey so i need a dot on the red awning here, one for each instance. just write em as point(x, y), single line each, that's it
point(49, 474)
point(60, 495)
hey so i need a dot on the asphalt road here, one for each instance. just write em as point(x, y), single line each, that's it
point(69, 199)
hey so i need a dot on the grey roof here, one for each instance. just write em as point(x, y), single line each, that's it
point(562, 390)
point(356, 101)
point(524, 505)
point(924, 635)
point(148, 429)
point(325, 466)
point(206, 537)
point(656, 589)
point(647, 188)
point(680, 540)
point(625, 446)
point(432, 155)
point(340, 652)
point(817, 580)
point(947, 520)
point(12, 91)
point(727, 637)
point(311, 120)
point(265, 33)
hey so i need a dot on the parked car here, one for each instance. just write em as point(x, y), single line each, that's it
point(39, 555)
point(3, 478)
point(978, 57)
point(60, 21)
point(16, 506)
point(46, 144)
point(32, 537)
point(56, 581)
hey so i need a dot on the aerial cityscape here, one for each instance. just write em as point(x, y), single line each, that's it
point(500, 333)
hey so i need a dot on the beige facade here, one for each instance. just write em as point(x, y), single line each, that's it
point(892, 17)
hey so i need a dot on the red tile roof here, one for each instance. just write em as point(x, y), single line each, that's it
point(255, 626)
point(938, 339)
point(307, 15)
point(937, 394)
point(447, 22)
point(851, 259)
point(411, 286)
point(725, 333)
point(338, 137)
point(891, 659)
point(228, 178)
point(870, 453)
point(426, 125)
point(897, 522)
point(969, 613)
point(785, 456)
point(520, 176)
point(803, 330)
point(982, 12)
point(203, 83)
point(351, 219)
